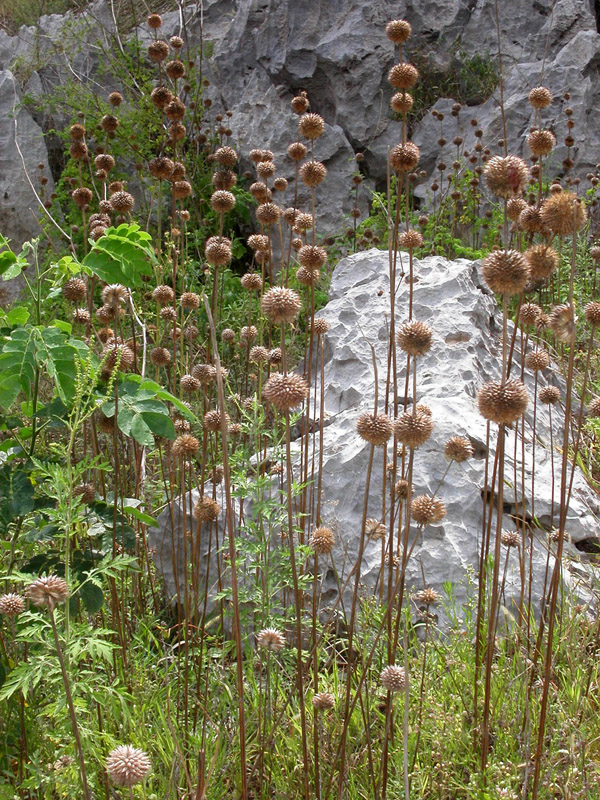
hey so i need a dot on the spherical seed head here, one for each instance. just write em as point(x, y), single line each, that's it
point(226, 157)
point(320, 326)
point(260, 192)
point(505, 271)
point(82, 316)
point(531, 221)
point(158, 51)
point(540, 97)
point(300, 103)
point(564, 213)
point(510, 538)
point(163, 294)
point(268, 213)
point(222, 201)
point(426, 597)
point(47, 592)
point(114, 294)
point(185, 446)
point(126, 765)
point(74, 290)
point(168, 313)
point(109, 123)
point(87, 492)
point(312, 173)
point(506, 176)
point(403, 76)
point(594, 408)
point(542, 260)
point(322, 541)
point(280, 184)
point(413, 430)
point(206, 510)
point(218, 251)
point(115, 99)
point(323, 701)
point(500, 403)
point(401, 102)
point(275, 355)
point(404, 157)
point(154, 21)
point(117, 353)
point(549, 395)
point(459, 449)
point(411, 240)
point(175, 110)
point(224, 179)
point(258, 354)
point(398, 31)
point(212, 420)
point(401, 489)
point(312, 257)
point(205, 373)
point(82, 197)
point(285, 392)
point(595, 252)
point(562, 322)
point(514, 207)
point(311, 126)
point(529, 313)
point(296, 151)
point(248, 334)
point(281, 305)
point(121, 202)
point(104, 161)
point(161, 96)
point(259, 242)
point(307, 277)
point(252, 282)
point(160, 356)
point(414, 338)
point(265, 169)
point(393, 678)
point(592, 312)
point(175, 69)
point(427, 510)
point(374, 428)
point(11, 604)
point(537, 360)
point(77, 132)
point(176, 42)
point(541, 142)
point(374, 529)
point(270, 639)
point(190, 301)
point(189, 384)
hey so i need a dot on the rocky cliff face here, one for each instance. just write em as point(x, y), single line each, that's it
point(263, 52)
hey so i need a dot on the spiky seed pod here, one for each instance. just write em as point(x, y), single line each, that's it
point(510, 538)
point(158, 51)
point(404, 157)
point(252, 282)
point(82, 316)
point(401, 102)
point(514, 207)
point(105, 314)
point(427, 510)
point(270, 639)
point(190, 301)
point(212, 420)
point(163, 295)
point(537, 360)
point(297, 243)
point(505, 271)
point(268, 213)
point(175, 110)
point(549, 395)
point(281, 305)
point(311, 126)
point(77, 132)
point(226, 157)
point(97, 232)
point(175, 69)
point(540, 97)
point(398, 31)
point(258, 354)
point(374, 428)
point(121, 202)
point(530, 220)
point(248, 334)
point(592, 312)
point(104, 161)
point(275, 356)
point(322, 541)
point(307, 277)
point(114, 294)
point(181, 426)
point(260, 192)
point(290, 215)
point(154, 21)
point(217, 474)
point(258, 241)
point(87, 492)
point(266, 155)
point(562, 322)
point(115, 99)
point(459, 449)
point(179, 171)
point(255, 156)
point(542, 260)
point(543, 323)
point(161, 96)
point(280, 184)
point(374, 529)
point(529, 313)
point(506, 176)
point(222, 201)
point(206, 510)
point(127, 766)
point(319, 326)
point(595, 253)
point(564, 213)
point(312, 173)
point(176, 42)
point(541, 142)
point(185, 446)
point(411, 240)
point(160, 356)
point(403, 76)
point(11, 604)
point(285, 392)
point(115, 186)
point(401, 489)
point(266, 169)
point(323, 701)
point(181, 189)
point(82, 196)
point(117, 353)
point(47, 592)
point(189, 384)
point(109, 123)
point(312, 257)
point(393, 678)
point(300, 103)
point(168, 313)
point(413, 430)
point(303, 222)
point(426, 597)
point(594, 408)
point(99, 219)
point(296, 151)
point(414, 338)
point(224, 179)
point(218, 251)
point(502, 404)
point(74, 290)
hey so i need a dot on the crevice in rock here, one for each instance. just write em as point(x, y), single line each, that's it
point(590, 546)
point(596, 12)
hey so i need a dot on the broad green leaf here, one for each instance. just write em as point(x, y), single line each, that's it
point(122, 255)
point(17, 316)
point(92, 596)
point(141, 432)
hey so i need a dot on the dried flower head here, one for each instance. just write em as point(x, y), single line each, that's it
point(411, 239)
point(502, 403)
point(320, 326)
point(281, 305)
point(374, 529)
point(592, 312)
point(506, 176)
point(285, 391)
point(541, 142)
point(542, 260)
point(160, 356)
point(426, 597)
point(163, 295)
point(374, 428)
point(258, 354)
point(127, 765)
point(505, 271)
point(393, 678)
point(11, 604)
point(549, 395)
point(270, 639)
point(594, 408)
point(248, 334)
point(114, 294)
point(398, 31)
point(268, 213)
point(427, 510)
point(121, 202)
point(82, 197)
point(222, 201)
point(74, 290)
point(185, 446)
point(312, 257)
point(87, 492)
point(403, 76)
point(529, 313)
point(562, 321)
point(323, 701)
point(510, 538)
point(300, 103)
point(218, 251)
point(189, 384)
point(537, 360)
point(206, 510)
point(414, 338)
point(252, 282)
point(413, 429)
point(322, 541)
point(312, 173)
point(514, 207)
point(564, 213)
point(404, 157)
point(212, 420)
point(531, 221)
point(540, 97)
point(401, 102)
point(311, 126)
point(459, 449)
point(47, 592)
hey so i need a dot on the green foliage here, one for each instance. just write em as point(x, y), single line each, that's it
point(141, 414)
point(123, 255)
